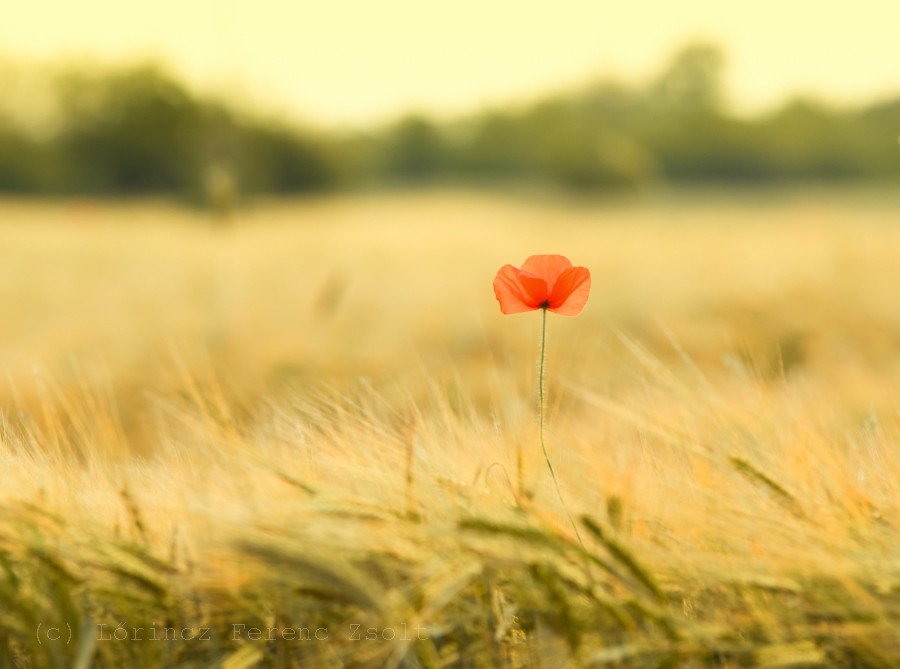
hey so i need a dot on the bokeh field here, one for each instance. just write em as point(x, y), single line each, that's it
point(305, 436)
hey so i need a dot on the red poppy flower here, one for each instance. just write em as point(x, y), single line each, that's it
point(543, 282)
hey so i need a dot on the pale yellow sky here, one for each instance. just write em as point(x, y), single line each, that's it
point(340, 61)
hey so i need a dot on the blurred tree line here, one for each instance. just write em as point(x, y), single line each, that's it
point(139, 131)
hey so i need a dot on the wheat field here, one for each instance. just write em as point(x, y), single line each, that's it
point(306, 436)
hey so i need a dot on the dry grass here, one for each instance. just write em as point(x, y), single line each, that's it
point(312, 420)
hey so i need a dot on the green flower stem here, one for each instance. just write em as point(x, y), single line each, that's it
point(541, 408)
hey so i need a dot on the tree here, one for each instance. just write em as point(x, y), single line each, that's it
point(692, 81)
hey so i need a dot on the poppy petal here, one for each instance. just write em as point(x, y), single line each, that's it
point(517, 291)
point(571, 291)
point(547, 267)
point(535, 289)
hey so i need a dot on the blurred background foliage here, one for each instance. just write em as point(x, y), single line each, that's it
point(140, 131)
